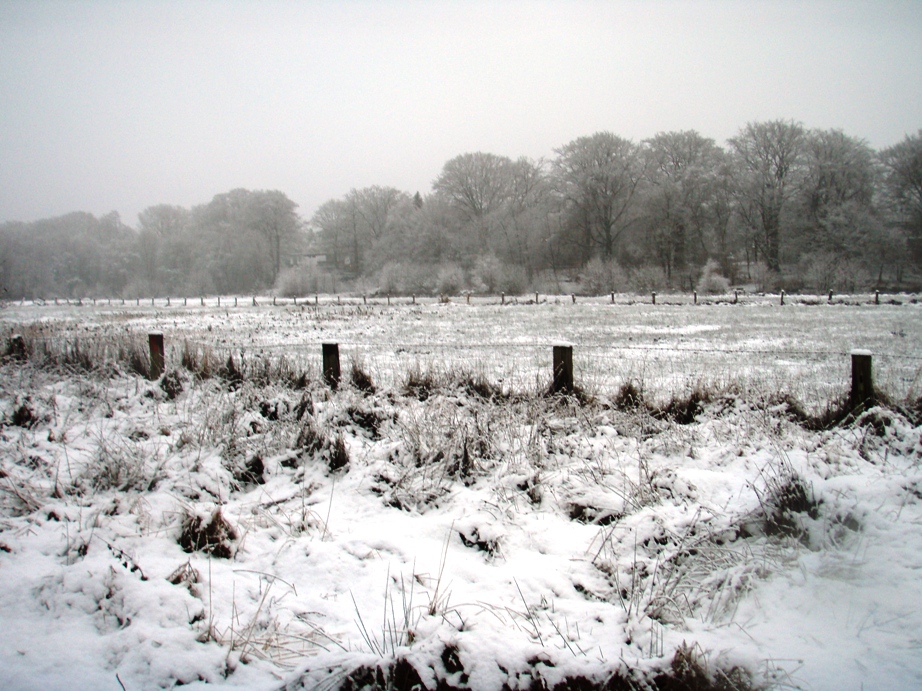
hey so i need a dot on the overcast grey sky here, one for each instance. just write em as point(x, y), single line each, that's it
point(121, 105)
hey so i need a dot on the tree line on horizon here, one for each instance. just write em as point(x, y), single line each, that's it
point(779, 206)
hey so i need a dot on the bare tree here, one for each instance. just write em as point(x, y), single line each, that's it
point(770, 155)
point(599, 177)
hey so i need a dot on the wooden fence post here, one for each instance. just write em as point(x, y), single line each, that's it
point(736, 296)
point(563, 370)
point(613, 298)
point(654, 297)
point(830, 296)
point(876, 297)
point(862, 393)
point(573, 297)
point(331, 371)
point(156, 355)
point(695, 297)
point(316, 300)
point(782, 297)
point(502, 298)
point(536, 298)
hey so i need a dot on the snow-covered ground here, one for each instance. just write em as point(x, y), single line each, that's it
point(488, 542)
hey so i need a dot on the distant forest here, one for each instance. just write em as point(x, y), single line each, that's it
point(780, 206)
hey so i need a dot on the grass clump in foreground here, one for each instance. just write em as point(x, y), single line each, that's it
point(687, 671)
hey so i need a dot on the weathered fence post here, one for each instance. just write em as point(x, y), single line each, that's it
point(695, 297)
point(782, 297)
point(563, 370)
point(254, 301)
point(414, 299)
point(502, 298)
point(388, 299)
point(364, 299)
point(573, 297)
point(613, 298)
point(316, 300)
point(168, 301)
point(736, 296)
point(862, 380)
point(830, 296)
point(235, 302)
point(654, 297)
point(876, 297)
point(273, 301)
point(467, 296)
point(156, 355)
point(331, 364)
point(536, 298)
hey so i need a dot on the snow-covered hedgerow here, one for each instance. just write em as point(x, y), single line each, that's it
point(264, 531)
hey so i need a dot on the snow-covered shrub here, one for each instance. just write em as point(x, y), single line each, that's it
point(600, 277)
point(645, 279)
point(711, 282)
point(450, 279)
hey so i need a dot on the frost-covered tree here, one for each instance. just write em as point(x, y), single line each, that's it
point(770, 156)
point(598, 177)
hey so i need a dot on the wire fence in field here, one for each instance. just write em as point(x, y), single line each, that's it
point(815, 378)
point(743, 342)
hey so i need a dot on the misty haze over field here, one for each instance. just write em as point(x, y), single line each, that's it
point(413, 147)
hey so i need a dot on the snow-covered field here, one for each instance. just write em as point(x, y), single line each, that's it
point(271, 533)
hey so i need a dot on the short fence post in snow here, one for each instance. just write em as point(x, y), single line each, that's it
point(364, 299)
point(168, 302)
point(876, 297)
point(573, 297)
point(782, 297)
point(156, 355)
point(536, 298)
point(235, 302)
point(862, 392)
point(273, 301)
point(695, 297)
point(613, 298)
point(502, 298)
point(152, 302)
point(563, 370)
point(414, 300)
point(654, 297)
point(254, 301)
point(736, 296)
point(467, 296)
point(830, 296)
point(331, 364)
point(316, 300)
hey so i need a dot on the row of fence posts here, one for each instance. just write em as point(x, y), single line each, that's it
point(502, 299)
point(862, 384)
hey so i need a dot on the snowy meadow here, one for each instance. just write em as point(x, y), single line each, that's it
point(705, 511)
